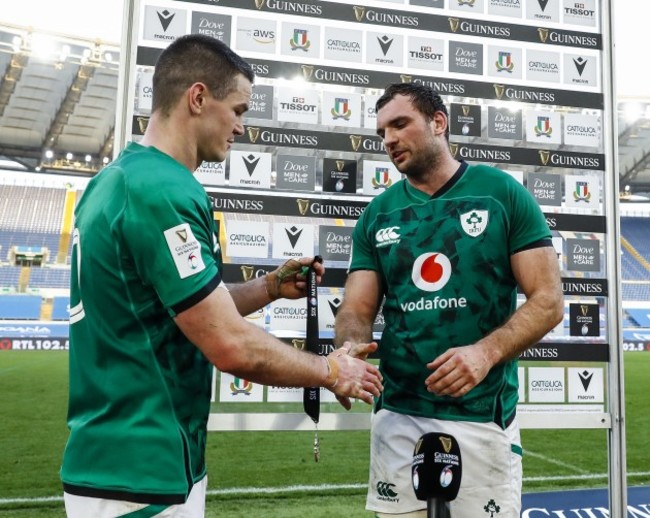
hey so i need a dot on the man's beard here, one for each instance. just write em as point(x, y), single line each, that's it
point(421, 166)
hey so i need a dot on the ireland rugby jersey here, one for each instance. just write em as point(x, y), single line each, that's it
point(145, 249)
point(444, 262)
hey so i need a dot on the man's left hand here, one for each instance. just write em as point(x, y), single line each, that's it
point(288, 281)
point(458, 370)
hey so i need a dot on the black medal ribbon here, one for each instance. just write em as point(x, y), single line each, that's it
point(311, 395)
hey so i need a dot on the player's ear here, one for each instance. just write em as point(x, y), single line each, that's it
point(439, 123)
point(196, 97)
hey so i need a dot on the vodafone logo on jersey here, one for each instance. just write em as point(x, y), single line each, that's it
point(431, 271)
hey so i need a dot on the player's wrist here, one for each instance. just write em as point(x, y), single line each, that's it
point(331, 373)
point(271, 286)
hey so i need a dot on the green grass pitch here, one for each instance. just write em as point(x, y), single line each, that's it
point(33, 398)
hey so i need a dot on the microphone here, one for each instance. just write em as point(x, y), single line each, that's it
point(436, 472)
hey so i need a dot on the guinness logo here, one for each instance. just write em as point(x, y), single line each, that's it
point(340, 164)
point(359, 12)
point(307, 71)
point(418, 445)
point(499, 90)
point(454, 149)
point(303, 206)
point(584, 310)
point(356, 142)
point(247, 272)
point(182, 234)
point(543, 34)
point(465, 109)
point(454, 23)
point(446, 443)
point(405, 78)
point(298, 343)
point(544, 156)
point(259, 3)
point(253, 134)
point(143, 122)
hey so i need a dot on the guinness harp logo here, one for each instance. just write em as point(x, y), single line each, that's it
point(359, 12)
point(182, 234)
point(405, 78)
point(340, 164)
point(298, 343)
point(465, 109)
point(356, 142)
point(499, 90)
point(307, 71)
point(543, 34)
point(303, 206)
point(247, 272)
point(544, 156)
point(143, 122)
point(454, 149)
point(446, 443)
point(418, 445)
point(584, 310)
point(253, 134)
point(454, 23)
point(259, 3)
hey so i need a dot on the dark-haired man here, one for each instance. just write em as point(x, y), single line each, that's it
point(150, 313)
point(447, 247)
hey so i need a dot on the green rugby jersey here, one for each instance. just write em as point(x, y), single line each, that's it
point(444, 262)
point(144, 249)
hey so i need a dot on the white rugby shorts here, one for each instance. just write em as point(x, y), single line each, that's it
point(491, 458)
point(84, 506)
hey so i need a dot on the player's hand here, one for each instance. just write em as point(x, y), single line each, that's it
point(288, 280)
point(355, 378)
point(360, 351)
point(457, 371)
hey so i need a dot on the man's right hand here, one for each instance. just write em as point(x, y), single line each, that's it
point(355, 377)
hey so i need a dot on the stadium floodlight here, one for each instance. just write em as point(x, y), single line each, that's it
point(49, 154)
point(69, 156)
point(105, 160)
point(88, 158)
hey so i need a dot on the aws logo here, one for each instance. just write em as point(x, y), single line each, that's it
point(431, 271)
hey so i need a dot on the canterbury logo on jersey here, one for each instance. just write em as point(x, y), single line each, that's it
point(385, 491)
point(387, 236)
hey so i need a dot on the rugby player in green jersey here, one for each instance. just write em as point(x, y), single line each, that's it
point(150, 313)
point(445, 249)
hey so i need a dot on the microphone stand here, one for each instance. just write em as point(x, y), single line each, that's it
point(437, 508)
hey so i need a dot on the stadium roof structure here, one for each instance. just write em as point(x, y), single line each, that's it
point(58, 97)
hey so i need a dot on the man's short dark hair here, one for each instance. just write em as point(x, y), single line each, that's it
point(196, 58)
point(424, 99)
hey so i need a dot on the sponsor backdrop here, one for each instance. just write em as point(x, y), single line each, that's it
point(523, 83)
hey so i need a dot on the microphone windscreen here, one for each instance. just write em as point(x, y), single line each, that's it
point(437, 469)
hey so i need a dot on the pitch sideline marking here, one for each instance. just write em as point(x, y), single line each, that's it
point(556, 462)
point(305, 489)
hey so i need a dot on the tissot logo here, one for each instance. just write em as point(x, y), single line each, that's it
point(454, 23)
point(251, 162)
point(165, 18)
point(580, 64)
point(385, 42)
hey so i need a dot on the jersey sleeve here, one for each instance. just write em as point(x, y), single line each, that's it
point(170, 235)
point(527, 221)
point(362, 256)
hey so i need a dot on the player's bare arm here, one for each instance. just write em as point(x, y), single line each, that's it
point(460, 369)
point(357, 313)
point(286, 281)
point(234, 345)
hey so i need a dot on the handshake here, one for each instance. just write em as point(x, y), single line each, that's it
point(350, 376)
